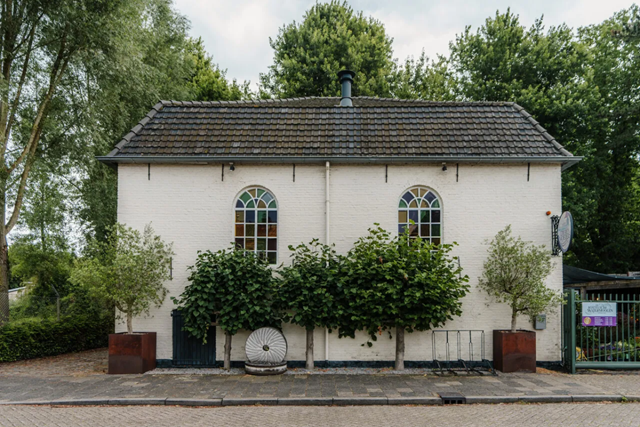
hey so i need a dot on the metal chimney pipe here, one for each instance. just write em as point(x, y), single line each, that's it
point(346, 79)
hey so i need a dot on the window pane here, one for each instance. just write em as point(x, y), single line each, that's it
point(250, 216)
point(403, 204)
point(273, 217)
point(402, 216)
point(435, 230)
point(435, 241)
point(273, 231)
point(435, 204)
point(262, 216)
point(272, 245)
point(413, 230)
point(262, 230)
point(413, 215)
point(267, 198)
point(245, 197)
point(424, 204)
point(430, 197)
point(262, 244)
point(252, 192)
point(239, 204)
point(413, 204)
point(250, 244)
point(408, 196)
point(424, 216)
point(239, 230)
point(271, 256)
point(250, 230)
point(251, 205)
point(415, 192)
point(401, 228)
point(272, 205)
point(262, 255)
point(260, 192)
point(239, 216)
point(435, 216)
point(262, 204)
point(239, 243)
point(424, 230)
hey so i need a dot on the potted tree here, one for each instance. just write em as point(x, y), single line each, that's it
point(514, 273)
point(129, 270)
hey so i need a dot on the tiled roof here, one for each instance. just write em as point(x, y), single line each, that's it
point(318, 127)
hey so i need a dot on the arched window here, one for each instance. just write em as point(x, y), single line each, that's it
point(257, 223)
point(421, 206)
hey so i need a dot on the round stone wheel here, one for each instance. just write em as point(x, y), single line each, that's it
point(266, 347)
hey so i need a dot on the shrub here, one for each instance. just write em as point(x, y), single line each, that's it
point(32, 338)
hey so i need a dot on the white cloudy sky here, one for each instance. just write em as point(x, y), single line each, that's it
point(237, 32)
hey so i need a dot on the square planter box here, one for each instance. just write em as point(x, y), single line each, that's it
point(514, 351)
point(132, 353)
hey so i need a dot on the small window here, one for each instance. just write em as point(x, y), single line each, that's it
point(256, 223)
point(422, 206)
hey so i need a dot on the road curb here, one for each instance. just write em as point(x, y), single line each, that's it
point(323, 401)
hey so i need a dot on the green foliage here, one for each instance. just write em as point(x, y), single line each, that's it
point(331, 37)
point(399, 281)
point(424, 79)
point(40, 269)
point(231, 287)
point(129, 271)
point(32, 338)
point(309, 286)
point(514, 273)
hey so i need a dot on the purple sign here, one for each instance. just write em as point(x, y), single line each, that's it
point(599, 314)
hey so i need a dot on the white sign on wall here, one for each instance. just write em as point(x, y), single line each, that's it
point(565, 231)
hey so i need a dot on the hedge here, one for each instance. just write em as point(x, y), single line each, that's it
point(32, 338)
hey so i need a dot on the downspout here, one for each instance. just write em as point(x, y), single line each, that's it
point(327, 238)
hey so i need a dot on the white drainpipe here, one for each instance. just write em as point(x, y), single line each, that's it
point(327, 241)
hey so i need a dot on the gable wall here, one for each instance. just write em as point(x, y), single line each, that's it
point(191, 206)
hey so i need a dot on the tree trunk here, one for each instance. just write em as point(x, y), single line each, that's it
point(310, 349)
point(399, 348)
point(227, 350)
point(129, 322)
point(514, 317)
point(4, 260)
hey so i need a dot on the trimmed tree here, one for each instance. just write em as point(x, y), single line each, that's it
point(231, 288)
point(514, 273)
point(129, 270)
point(399, 282)
point(308, 290)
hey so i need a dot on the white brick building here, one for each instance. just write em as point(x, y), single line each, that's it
point(335, 171)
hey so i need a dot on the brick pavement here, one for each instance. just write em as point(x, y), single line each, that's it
point(531, 415)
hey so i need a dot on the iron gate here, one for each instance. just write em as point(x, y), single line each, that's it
point(601, 347)
point(190, 352)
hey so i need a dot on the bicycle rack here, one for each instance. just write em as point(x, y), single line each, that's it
point(470, 365)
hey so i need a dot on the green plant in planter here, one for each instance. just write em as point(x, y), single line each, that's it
point(129, 270)
point(514, 273)
point(232, 288)
point(308, 290)
point(399, 282)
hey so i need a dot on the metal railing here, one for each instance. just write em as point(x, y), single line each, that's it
point(469, 351)
point(602, 347)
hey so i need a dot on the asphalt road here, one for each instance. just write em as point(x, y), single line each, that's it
point(529, 415)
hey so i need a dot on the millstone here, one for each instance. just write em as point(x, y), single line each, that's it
point(266, 347)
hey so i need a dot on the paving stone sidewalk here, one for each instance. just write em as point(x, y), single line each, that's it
point(325, 389)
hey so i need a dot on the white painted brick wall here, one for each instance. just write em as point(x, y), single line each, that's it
point(192, 207)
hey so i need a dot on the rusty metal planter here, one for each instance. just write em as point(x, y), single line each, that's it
point(514, 351)
point(132, 353)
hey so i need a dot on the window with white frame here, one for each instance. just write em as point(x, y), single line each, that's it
point(256, 223)
point(422, 207)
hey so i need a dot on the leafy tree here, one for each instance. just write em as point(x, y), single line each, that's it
point(583, 89)
point(130, 271)
point(41, 44)
point(232, 288)
point(399, 282)
point(331, 37)
point(426, 79)
point(308, 288)
point(515, 272)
